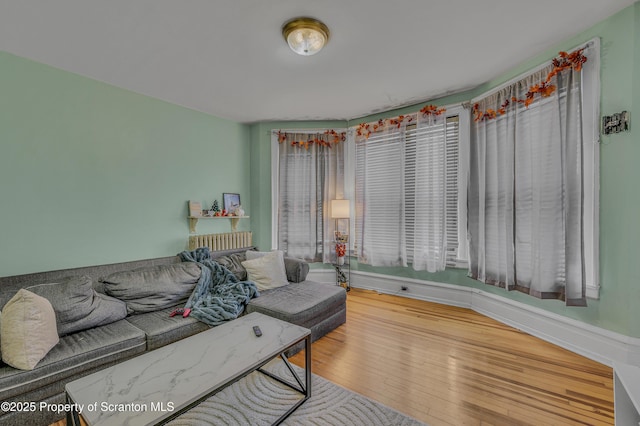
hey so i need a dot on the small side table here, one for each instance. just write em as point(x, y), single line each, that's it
point(343, 272)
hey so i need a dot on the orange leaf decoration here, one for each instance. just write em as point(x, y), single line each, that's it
point(548, 90)
point(432, 110)
point(365, 130)
point(574, 60)
point(331, 137)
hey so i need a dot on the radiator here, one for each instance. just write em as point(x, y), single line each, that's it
point(217, 242)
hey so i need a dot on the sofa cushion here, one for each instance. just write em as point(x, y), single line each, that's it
point(153, 288)
point(233, 262)
point(303, 304)
point(28, 330)
point(75, 353)
point(78, 306)
point(162, 329)
point(266, 271)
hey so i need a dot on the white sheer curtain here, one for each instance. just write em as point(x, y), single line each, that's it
point(525, 192)
point(308, 179)
point(380, 198)
point(429, 231)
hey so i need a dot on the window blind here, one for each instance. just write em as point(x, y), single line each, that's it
point(380, 199)
point(452, 153)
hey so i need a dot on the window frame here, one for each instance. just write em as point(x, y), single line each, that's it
point(463, 114)
point(275, 177)
point(590, 112)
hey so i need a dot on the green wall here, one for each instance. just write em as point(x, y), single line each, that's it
point(616, 309)
point(626, 249)
point(92, 174)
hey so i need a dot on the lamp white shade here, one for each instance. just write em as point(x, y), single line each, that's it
point(340, 209)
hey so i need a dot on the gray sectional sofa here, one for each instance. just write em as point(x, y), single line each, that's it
point(319, 307)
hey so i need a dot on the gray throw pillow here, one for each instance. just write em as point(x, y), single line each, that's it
point(297, 269)
point(78, 306)
point(233, 262)
point(153, 288)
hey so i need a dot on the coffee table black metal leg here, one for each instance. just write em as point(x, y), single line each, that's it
point(306, 391)
point(73, 418)
point(307, 366)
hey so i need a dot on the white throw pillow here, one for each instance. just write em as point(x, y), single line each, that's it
point(28, 330)
point(267, 271)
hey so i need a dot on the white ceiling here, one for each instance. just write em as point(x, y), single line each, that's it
point(228, 58)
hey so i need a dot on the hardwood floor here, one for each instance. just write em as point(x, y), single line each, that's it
point(452, 366)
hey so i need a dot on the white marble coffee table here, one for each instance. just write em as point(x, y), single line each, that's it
point(160, 385)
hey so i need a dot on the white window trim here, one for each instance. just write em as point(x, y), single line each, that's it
point(275, 190)
point(464, 134)
point(591, 133)
point(350, 185)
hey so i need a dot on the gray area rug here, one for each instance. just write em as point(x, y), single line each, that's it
point(260, 400)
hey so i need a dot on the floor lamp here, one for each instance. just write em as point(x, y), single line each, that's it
point(340, 211)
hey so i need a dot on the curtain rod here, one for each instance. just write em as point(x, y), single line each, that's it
point(414, 114)
point(591, 43)
point(307, 131)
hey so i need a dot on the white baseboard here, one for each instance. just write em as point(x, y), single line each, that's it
point(587, 340)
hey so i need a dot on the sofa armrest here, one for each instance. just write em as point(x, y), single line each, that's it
point(296, 269)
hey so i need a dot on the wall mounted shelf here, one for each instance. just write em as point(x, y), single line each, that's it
point(193, 221)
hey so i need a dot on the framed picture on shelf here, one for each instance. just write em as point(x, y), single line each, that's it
point(195, 209)
point(231, 202)
point(341, 236)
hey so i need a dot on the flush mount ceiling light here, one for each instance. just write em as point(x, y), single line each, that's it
point(305, 36)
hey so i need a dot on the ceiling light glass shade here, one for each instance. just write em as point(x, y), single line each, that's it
point(305, 36)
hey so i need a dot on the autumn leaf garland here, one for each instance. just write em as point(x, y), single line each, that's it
point(366, 129)
point(332, 138)
point(564, 61)
point(363, 129)
point(574, 60)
